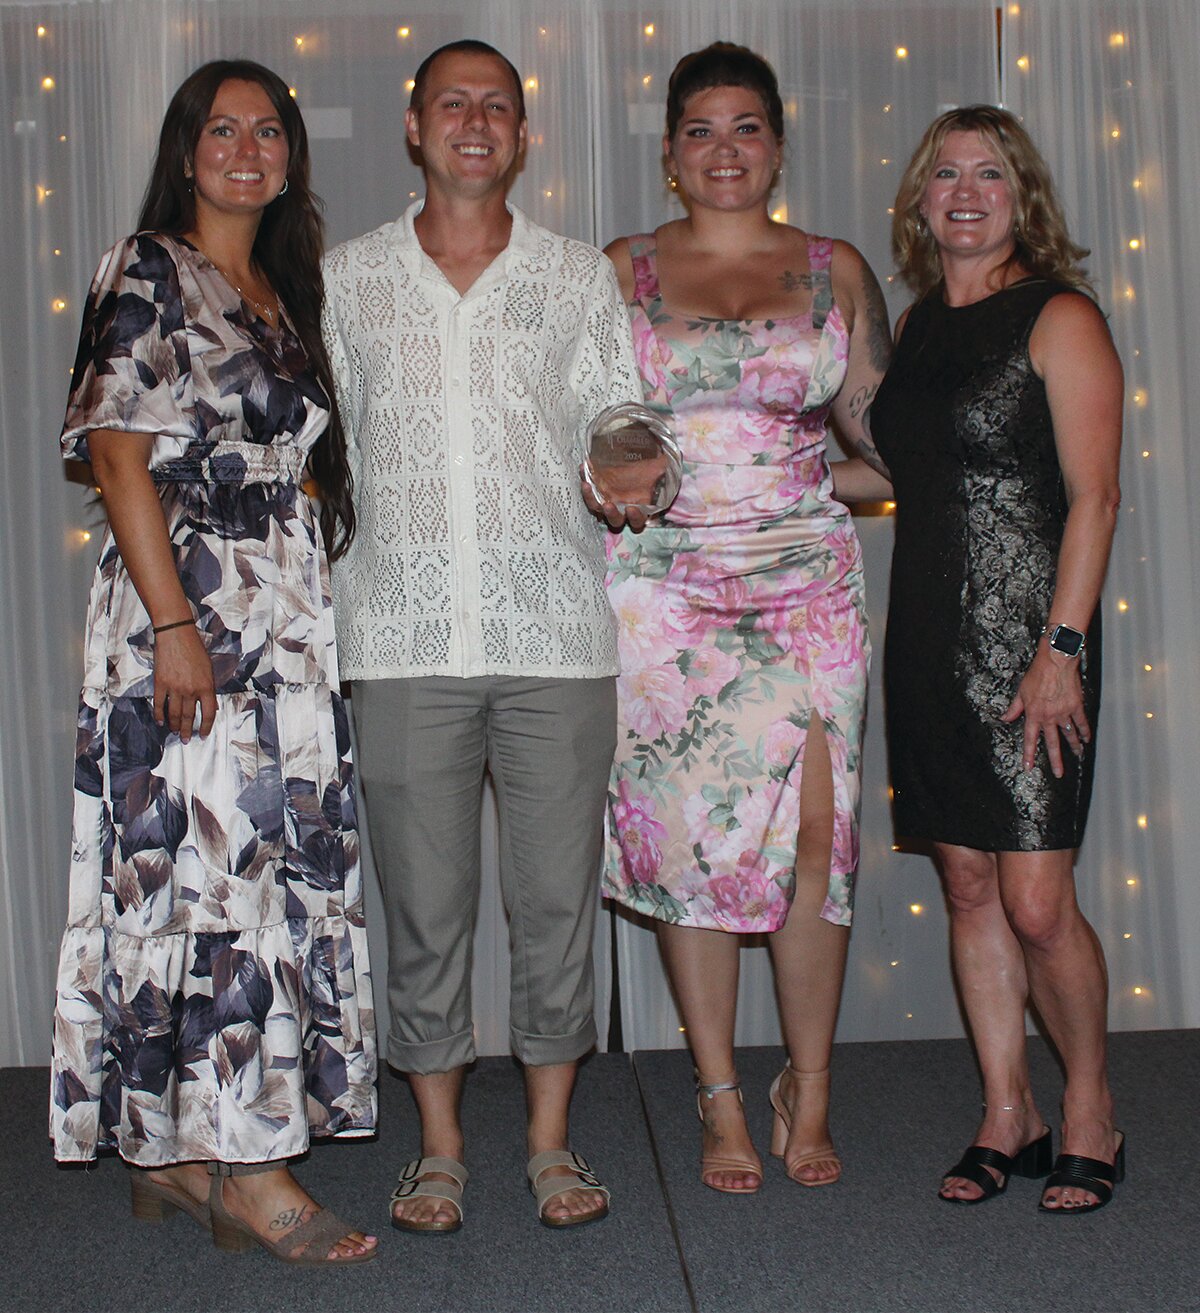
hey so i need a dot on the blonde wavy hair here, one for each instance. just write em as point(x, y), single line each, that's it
point(1042, 243)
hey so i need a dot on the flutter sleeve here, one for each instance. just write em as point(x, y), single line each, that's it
point(132, 370)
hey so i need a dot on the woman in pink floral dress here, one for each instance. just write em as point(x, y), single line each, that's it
point(734, 798)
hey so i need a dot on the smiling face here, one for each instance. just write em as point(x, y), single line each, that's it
point(724, 152)
point(240, 159)
point(968, 200)
point(468, 125)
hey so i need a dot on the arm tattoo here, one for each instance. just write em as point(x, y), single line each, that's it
point(860, 402)
point(791, 282)
point(879, 339)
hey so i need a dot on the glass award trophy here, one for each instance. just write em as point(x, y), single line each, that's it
point(632, 459)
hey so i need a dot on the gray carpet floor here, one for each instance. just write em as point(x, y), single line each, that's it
point(878, 1241)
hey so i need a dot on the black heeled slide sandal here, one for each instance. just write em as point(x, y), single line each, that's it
point(1032, 1161)
point(1072, 1170)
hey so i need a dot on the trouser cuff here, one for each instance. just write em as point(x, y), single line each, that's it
point(552, 1050)
point(432, 1056)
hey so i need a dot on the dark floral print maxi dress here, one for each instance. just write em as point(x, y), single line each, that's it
point(214, 997)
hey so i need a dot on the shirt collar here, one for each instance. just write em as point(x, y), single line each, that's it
point(522, 239)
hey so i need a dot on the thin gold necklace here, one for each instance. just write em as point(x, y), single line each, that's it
point(265, 310)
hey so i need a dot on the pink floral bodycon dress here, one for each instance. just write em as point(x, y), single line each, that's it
point(740, 615)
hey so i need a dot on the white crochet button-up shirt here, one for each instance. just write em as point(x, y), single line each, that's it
point(475, 554)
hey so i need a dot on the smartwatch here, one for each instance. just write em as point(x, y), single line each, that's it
point(1069, 642)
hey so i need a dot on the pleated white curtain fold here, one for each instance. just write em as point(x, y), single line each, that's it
point(85, 97)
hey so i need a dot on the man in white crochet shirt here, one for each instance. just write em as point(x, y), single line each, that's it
point(471, 348)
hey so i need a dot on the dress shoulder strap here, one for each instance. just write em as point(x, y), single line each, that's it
point(644, 251)
point(820, 262)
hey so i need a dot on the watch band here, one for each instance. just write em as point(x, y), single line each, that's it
point(1065, 640)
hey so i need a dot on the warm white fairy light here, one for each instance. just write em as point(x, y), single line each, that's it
point(47, 83)
point(58, 305)
point(548, 194)
point(1023, 63)
point(1143, 821)
point(916, 908)
point(404, 33)
point(1122, 604)
point(58, 250)
point(647, 79)
point(1136, 184)
point(896, 963)
point(1117, 40)
point(292, 92)
point(649, 29)
point(885, 161)
point(887, 109)
point(1135, 243)
point(1127, 935)
point(41, 29)
point(1147, 667)
point(408, 86)
point(780, 214)
point(1149, 715)
point(299, 43)
point(1140, 397)
point(531, 84)
point(889, 506)
point(1145, 455)
point(1115, 134)
point(901, 52)
point(62, 136)
point(1132, 882)
point(1014, 10)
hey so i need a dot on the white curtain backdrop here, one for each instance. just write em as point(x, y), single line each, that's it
point(1109, 90)
point(84, 85)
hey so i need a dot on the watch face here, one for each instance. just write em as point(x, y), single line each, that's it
point(1066, 640)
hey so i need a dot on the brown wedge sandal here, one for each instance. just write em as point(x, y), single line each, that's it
point(153, 1200)
point(306, 1246)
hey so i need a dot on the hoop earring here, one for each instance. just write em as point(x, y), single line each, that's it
point(921, 225)
point(283, 190)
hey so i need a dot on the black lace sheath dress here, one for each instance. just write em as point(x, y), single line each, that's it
point(963, 423)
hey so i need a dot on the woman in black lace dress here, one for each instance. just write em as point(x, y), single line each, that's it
point(1000, 421)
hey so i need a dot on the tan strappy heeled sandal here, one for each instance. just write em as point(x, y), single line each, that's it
point(783, 1124)
point(711, 1162)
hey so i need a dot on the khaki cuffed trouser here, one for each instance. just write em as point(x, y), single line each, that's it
point(423, 745)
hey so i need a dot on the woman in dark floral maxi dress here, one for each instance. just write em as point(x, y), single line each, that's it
point(214, 1004)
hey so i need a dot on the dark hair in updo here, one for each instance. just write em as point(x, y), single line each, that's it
point(724, 64)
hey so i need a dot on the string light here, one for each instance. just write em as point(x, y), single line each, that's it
point(1116, 40)
point(896, 963)
point(58, 250)
point(780, 215)
point(1149, 715)
point(1146, 456)
point(549, 195)
point(1137, 184)
point(901, 52)
point(1132, 882)
point(408, 86)
point(1122, 604)
point(47, 84)
point(889, 506)
point(58, 305)
point(1140, 397)
point(916, 908)
point(1143, 821)
point(41, 29)
point(1135, 243)
point(541, 31)
point(1127, 935)
point(531, 84)
point(403, 33)
point(648, 29)
point(62, 136)
point(1023, 63)
point(1115, 134)
point(1014, 10)
point(292, 92)
point(1147, 667)
point(647, 79)
point(887, 109)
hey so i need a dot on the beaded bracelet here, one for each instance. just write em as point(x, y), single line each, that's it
point(175, 624)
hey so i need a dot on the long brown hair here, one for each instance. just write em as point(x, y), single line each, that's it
point(1042, 243)
point(287, 248)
